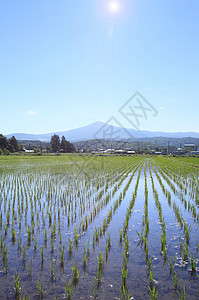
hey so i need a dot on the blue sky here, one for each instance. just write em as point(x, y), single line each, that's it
point(64, 65)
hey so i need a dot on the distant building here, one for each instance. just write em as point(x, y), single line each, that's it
point(194, 152)
point(130, 152)
point(29, 151)
point(109, 151)
point(190, 146)
point(120, 151)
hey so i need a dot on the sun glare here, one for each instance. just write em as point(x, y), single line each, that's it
point(114, 11)
point(114, 6)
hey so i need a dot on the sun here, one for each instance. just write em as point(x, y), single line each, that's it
point(114, 11)
point(114, 6)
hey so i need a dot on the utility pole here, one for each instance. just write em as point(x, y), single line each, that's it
point(138, 148)
point(168, 148)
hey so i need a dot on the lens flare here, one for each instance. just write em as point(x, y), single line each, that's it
point(114, 11)
point(114, 6)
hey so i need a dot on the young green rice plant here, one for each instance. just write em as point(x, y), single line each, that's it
point(42, 255)
point(25, 298)
point(150, 263)
point(151, 277)
point(29, 235)
point(121, 235)
point(70, 246)
point(96, 235)
point(52, 265)
point(13, 234)
point(24, 254)
point(75, 236)
point(153, 293)
point(40, 288)
point(52, 247)
point(107, 250)
point(68, 290)
point(185, 251)
point(62, 257)
point(170, 265)
point(45, 236)
point(29, 269)
point(141, 236)
point(35, 244)
point(124, 270)
point(75, 273)
point(193, 264)
point(100, 260)
point(5, 229)
point(176, 281)
point(126, 245)
point(183, 295)
point(16, 282)
point(94, 240)
point(108, 242)
point(5, 252)
point(125, 295)
point(87, 250)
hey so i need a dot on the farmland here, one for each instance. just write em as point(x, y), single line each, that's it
point(86, 227)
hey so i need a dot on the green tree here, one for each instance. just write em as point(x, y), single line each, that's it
point(3, 142)
point(13, 145)
point(64, 146)
point(71, 148)
point(55, 143)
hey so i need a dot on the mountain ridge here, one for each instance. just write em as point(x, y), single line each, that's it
point(98, 130)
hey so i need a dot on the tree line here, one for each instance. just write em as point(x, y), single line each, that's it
point(9, 145)
point(63, 146)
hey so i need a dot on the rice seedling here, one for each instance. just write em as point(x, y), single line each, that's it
point(52, 265)
point(29, 269)
point(94, 291)
point(62, 257)
point(193, 264)
point(75, 273)
point(42, 255)
point(40, 288)
point(125, 295)
point(70, 246)
point(153, 293)
point(151, 277)
point(17, 284)
point(183, 294)
point(126, 245)
point(176, 281)
point(68, 290)
point(13, 234)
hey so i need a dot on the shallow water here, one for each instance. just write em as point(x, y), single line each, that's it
point(33, 189)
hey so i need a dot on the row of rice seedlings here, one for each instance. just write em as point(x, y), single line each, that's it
point(101, 230)
point(175, 209)
point(184, 249)
point(179, 218)
point(162, 223)
point(123, 233)
point(187, 204)
point(131, 204)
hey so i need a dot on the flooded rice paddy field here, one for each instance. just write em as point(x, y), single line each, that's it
point(86, 227)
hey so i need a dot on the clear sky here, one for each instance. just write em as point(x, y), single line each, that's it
point(68, 63)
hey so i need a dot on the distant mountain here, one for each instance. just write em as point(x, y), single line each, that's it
point(100, 130)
